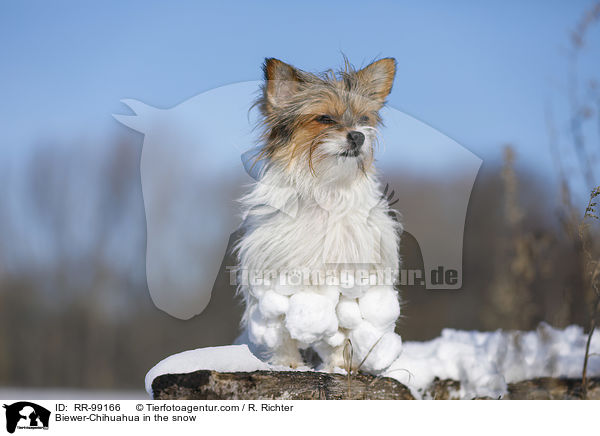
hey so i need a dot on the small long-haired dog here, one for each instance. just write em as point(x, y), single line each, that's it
point(319, 237)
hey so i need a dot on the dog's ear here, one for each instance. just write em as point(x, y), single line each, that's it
point(281, 82)
point(377, 78)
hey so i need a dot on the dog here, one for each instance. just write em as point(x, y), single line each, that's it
point(319, 236)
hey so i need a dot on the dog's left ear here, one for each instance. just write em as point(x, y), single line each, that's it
point(378, 78)
point(281, 82)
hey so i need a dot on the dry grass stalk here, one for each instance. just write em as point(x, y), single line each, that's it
point(348, 359)
point(348, 356)
point(592, 272)
point(518, 266)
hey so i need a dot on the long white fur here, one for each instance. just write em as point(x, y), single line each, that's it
point(332, 219)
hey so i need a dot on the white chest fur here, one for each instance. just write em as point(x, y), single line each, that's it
point(287, 228)
point(338, 229)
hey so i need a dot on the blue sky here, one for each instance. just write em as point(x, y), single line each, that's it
point(480, 72)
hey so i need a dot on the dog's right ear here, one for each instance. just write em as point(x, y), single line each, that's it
point(281, 82)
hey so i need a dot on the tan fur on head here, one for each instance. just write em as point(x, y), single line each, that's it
point(302, 111)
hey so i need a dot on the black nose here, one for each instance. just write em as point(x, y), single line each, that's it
point(355, 139)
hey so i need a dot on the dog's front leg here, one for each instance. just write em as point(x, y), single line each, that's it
point(287, 353)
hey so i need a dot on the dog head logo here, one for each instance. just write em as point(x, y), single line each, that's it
point(26, 415)
point(206, 142)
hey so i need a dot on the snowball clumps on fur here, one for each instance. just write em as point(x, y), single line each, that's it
point(272, 304)
point(264, 331)
point(326, 316)
point(348, 313)
point(379, 305)
point(378, 348)
point(311, 317)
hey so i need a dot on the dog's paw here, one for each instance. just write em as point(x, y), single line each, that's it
point(285, 360)
point(334, 361)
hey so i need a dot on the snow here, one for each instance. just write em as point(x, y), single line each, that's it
point(375, 348)
point(14, 393)
point(348, 313)
point(483, 362)
point(380, 306)
point(311, 317)
point(265, 331)
point(229, 358)
point(273, 305)
point(336, 339)
point(322, 317)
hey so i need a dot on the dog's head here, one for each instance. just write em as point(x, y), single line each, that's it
point(324, 125)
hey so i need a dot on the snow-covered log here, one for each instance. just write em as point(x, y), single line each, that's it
point(310, 385)
point(546, 363)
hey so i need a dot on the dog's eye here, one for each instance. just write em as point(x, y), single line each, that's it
point(325, 119)
point(364, 119)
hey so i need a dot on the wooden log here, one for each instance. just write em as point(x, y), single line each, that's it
point(298, 385)
point(553, 389)
point(276, 385)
